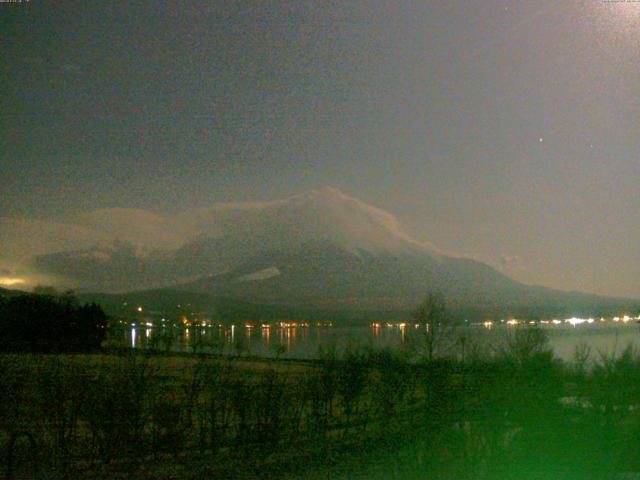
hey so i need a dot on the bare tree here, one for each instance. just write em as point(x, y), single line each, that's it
point(433, 314)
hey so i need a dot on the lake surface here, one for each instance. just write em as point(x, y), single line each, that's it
point(295, 341)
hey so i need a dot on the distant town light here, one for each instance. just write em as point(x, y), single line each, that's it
point(576, 321)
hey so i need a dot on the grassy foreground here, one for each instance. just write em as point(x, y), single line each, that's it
point(516, 414)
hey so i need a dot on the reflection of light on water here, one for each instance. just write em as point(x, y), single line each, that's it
point(376, 329)
point(293, 336)
point(288, 334)
point(266, 334)
point(301, 341)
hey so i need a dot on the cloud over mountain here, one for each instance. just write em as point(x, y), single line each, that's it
point(119, 249)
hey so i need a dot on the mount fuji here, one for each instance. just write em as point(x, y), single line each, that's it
point(322, 248)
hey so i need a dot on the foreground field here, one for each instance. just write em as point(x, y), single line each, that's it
point(517, 414)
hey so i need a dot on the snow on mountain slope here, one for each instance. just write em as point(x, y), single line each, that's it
point(264, 274)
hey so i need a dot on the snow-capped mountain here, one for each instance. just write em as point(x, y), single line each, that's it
point(318, 248)
point(117, 249)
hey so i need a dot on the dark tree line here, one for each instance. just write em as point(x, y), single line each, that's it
point(50, 323)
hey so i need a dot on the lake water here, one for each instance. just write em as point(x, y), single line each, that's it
point(305, 341)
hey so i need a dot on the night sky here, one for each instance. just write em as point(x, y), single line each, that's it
point(508, 131)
